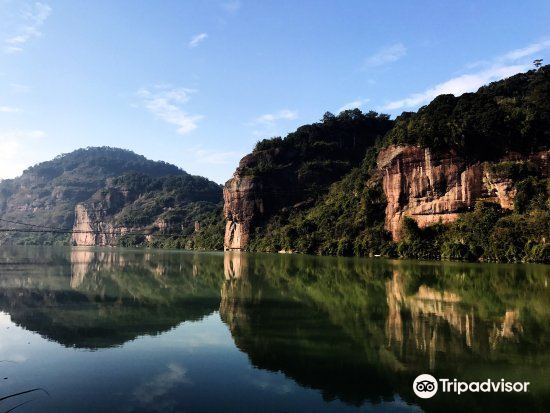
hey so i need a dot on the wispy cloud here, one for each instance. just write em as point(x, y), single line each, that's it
point(19, 88)
point(231, 6)
point(166, 104)
point(358, 103)
point(9, 109)
point(269, 124)
point(528, 50)
point(162, 384)
point(506, 65)
point(32, 20)
point(271, 118)
point(209, 157)
point(386, 55)
point(456, 86)
point(197, 39)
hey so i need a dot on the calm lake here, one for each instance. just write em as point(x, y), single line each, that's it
point(119, 330)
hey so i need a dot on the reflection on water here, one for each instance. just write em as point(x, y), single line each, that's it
point(133, 330)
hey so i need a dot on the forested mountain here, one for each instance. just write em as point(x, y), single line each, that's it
point(126, 189)
point(463, 178)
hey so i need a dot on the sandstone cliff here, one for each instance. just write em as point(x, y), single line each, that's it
point(282, 176)
point(432, 188)
point(102, 193)
point(243, 205)
point(93, 227)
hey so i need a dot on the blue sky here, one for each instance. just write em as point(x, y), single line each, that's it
point(197, 83)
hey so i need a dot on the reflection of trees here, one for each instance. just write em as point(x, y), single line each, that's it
point(280, 329)
point(380, 322)
point(95, 298)
point(356, 330)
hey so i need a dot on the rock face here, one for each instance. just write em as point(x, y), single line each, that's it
point(91, 227)
point(283, 175)
point(94, 190)
point(242, 206)
point(249, 198)
point(433, 188)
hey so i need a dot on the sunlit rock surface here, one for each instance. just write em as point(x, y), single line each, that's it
point(432, 188)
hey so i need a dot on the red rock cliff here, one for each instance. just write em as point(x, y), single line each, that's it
point(434, 188)
point(242, 206)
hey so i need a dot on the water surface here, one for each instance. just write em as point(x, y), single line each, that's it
point(118, 330)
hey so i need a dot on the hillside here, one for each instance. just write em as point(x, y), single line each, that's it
point(127, 190)
point(463, 178)
point(282, 175)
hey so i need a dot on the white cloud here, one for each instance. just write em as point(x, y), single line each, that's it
point(161, 384)
point(165, 103)
point(457, 86)
point(271, 118)
point(17, 151)
point(32, 20)
point(204, 156)
point(358, 103)
point(232, 6)
point(268, 125)
point(528, 50)
point(389, 54)
point(506, 65)
point(9, 109)
point(197, 39)
point(19, 88)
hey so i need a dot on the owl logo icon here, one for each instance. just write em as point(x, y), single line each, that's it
point(425, 386)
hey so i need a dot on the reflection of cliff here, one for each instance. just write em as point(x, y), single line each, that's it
point(342, 327)
point(235, 288)
point(110, 297)
point(433, 322)
point(280, 331)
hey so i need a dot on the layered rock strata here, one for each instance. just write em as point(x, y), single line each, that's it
point(432, 188)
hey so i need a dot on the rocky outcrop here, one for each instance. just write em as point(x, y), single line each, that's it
point(283, 175)
point(249, 197)
point(242, 206)
point(432, 188)
point(92, 227)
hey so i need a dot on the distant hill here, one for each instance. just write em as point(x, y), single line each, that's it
point(46, 195)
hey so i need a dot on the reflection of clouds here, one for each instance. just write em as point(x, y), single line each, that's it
point(8, 327)
point(209, 331)
point(5, 320)
point(161, 384)
point(274, 383)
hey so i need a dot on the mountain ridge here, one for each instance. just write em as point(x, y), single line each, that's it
point(117, 183)
point(465, 177)
point(460, 169)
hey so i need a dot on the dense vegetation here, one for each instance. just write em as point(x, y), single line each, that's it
point(349, 220)
point(509, 115)
point(300, 168)
point(489, 233)
point(320, 185)
point(130, 190)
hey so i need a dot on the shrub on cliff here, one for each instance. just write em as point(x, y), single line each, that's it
point(488, 233)
point(348, 220)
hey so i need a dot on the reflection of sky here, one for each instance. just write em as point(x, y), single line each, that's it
point(157, 387)
point(193, 367)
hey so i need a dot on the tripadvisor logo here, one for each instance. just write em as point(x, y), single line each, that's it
point(426, 386)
